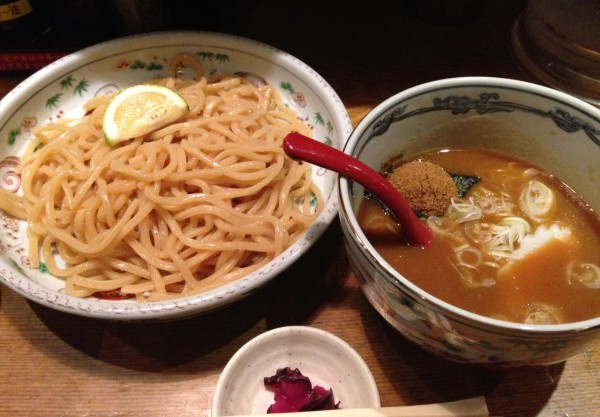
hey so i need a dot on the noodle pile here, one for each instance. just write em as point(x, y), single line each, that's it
point(187, 208)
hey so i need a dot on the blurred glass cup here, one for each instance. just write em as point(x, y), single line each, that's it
point(557, 42)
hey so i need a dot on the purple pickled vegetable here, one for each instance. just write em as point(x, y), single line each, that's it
point(294, 392)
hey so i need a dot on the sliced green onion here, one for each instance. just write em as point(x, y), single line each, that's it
point(586, 274)
point(541, 313)
point(464, 210)
point(537, 200)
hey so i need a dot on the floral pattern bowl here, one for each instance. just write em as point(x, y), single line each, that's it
point(59, 90)
point(549, 128)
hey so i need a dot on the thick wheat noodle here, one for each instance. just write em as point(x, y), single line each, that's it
point(190, 207)
point(11, 205)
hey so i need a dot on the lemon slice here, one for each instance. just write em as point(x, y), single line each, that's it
point(141, 109)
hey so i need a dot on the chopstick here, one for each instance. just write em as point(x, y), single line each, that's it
point(472, 407)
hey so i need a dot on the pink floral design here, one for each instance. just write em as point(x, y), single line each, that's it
point(28, 123)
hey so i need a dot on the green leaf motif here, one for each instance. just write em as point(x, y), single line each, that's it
point(222, 58)
point(209, 56)
point(12, 135)
point(137, 64)
point(53, 101)
point(319, 119)
point(205, 55)
point(81, 87)
point(153, 66)
point(328, 141)
point(329, 127)
point(43, 267)
point(287, 86)
point(150, 66)
point(67, 83)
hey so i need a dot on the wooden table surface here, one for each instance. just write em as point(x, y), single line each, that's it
point(54, 364)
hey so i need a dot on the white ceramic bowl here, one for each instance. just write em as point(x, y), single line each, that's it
point(547, 127)
point(59, 89)
point(321, 356)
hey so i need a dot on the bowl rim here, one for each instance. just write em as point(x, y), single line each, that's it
point(221, 296)
point(313, 332)
point(347, 215)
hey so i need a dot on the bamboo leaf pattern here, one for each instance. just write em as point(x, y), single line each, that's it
point(287, 87)
point(137, 64)
point(154, 66)
point(67, 83)
point(210, 56)
point(319, 119)
point(81, 87)
point(12, 135)
point(53, 101)
point(329, 127)
point(222, 58)
point(205, 55)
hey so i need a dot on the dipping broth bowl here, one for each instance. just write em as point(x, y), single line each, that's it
point(545, 127)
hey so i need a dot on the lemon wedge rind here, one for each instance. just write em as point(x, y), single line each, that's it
point(141, 109)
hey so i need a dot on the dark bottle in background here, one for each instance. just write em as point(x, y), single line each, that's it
point(22, 22)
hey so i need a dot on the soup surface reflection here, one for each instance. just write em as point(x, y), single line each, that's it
point(519, 246)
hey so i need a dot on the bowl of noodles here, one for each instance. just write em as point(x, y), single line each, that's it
point(512, 276)
point(182, 220)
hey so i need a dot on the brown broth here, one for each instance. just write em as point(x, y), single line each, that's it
point(540, 278)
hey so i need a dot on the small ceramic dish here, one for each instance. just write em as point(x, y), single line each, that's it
point(321, 356)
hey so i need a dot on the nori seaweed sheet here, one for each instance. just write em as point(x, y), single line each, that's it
point(464, 183)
